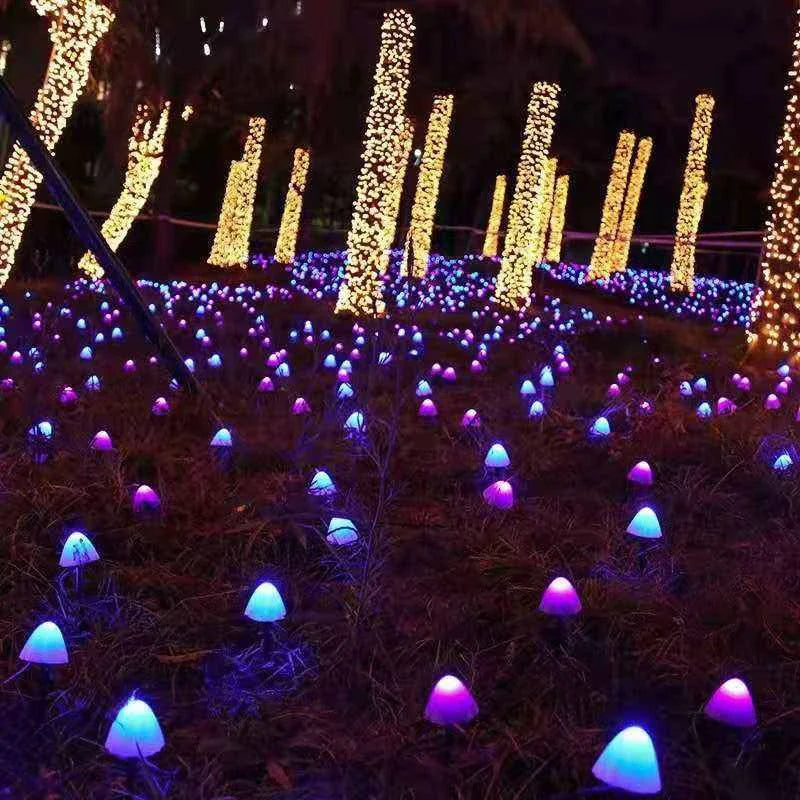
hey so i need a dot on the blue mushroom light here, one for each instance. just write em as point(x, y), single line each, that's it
point(265, 604)
point(222, 438)
point(77, 551)
point(135, 732)
point(497, 457)
point(45, 646)
point(341, 532)
point(629, 762)
point(645, 524)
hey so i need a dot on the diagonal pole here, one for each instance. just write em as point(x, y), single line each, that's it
point(88, 232)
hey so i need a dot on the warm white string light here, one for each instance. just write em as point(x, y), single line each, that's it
point(5, 49)
point(600, 267)
point(516, 272)
point(145, 154)
point(232, 240)
point(557, 220)
point(367, 247)
point(75, 28)
point(290, 221)
point(430, 175)
point(402, 152)
point(492, 240)
point(779, 324)
point(547, 186)
point(693, 196)
point(622, 243)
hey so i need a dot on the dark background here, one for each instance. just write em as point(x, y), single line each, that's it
point(621, 63)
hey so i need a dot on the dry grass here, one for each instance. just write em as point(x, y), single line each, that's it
point(438, 583)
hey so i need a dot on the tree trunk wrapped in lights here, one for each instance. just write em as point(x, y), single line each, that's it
point(516, 272)
point(622, 243)
point(290, 222)
point(231, 246)
point(600, 267)
point(779, 324)
point(545, 202)
point(367, 248)
point(75, 28)
point(5, 49)
point(492, 240)
point(145, 153)
point(430, 174)
point(557, 220)
point(693, 196)
point(402, 153)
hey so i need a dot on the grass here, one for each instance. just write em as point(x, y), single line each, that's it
point(438, 583)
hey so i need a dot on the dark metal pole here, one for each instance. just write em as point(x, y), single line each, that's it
point(88, 232)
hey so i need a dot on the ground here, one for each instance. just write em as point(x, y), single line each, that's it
point(438, 583)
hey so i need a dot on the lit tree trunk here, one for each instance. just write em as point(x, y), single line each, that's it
point(144, 162)
point(76, 27)
point(367, 257)
point(779, 326)
point(515, 279)
point(693, 197)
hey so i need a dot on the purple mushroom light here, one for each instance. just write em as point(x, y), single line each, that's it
point(499, 495)
point(146, 500)
point(101, 442)
point(641, 474)
point(450, 703)
point(560, 599)
point(732, 705)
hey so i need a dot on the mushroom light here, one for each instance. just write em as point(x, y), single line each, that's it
point(450, 703)
point(341, 531)
point(222, 438)
point(645, 525)
point(321, 485)
point(560, 599)
point(145, 499)
point(265, 604)
point(101, 442)
point(135, 732)
point(629, 762)
point(497, 457)
point(732, 704)
point(77, 551)
point(45, 646)
point(600, 428)
point(499, 495)
point(641, 473)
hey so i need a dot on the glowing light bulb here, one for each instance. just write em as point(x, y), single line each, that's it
point(45, 646)
point(560, 599)
point(732, 704)
point(341, 532)
point(450, 703)
point(629, 762)
point(645, 524)
point(265, 604)
point(135, 732)
point(77, 551)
